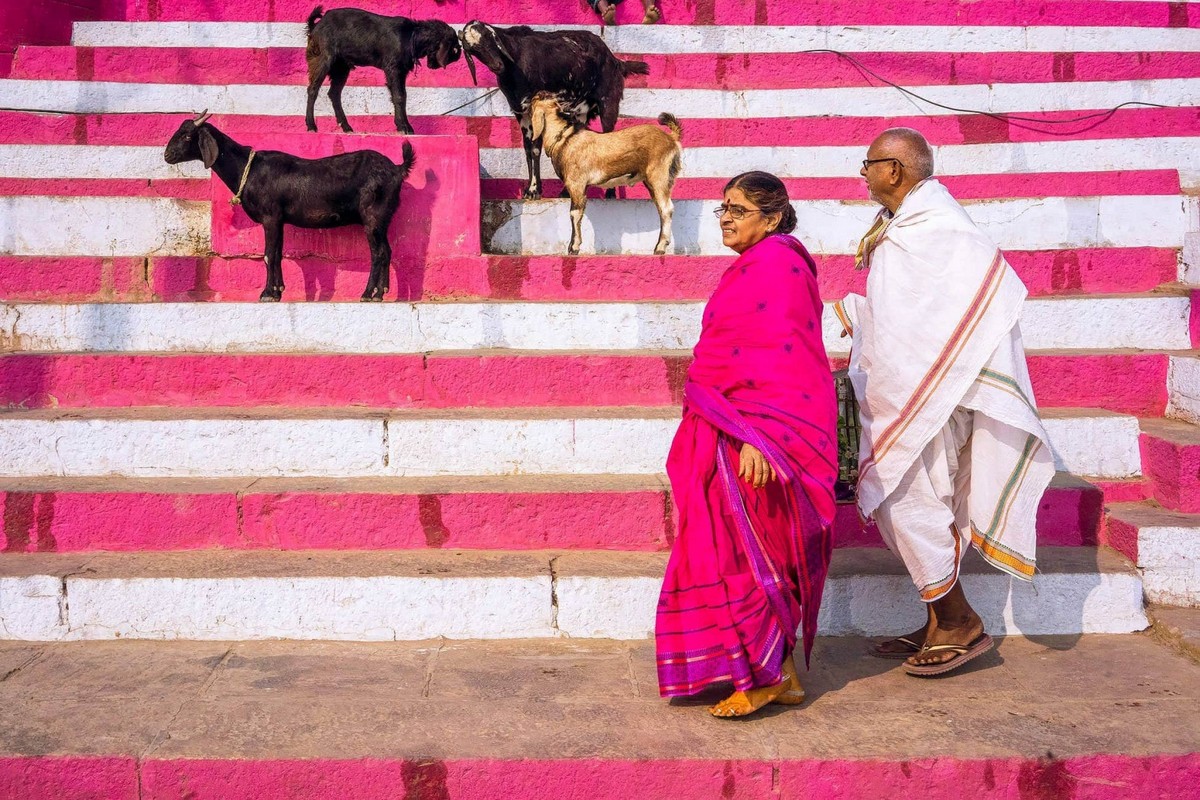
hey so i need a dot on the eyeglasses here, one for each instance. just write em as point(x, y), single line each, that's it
point(869, 161)
point(736, 212)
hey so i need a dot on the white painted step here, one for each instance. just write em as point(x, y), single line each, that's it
point(489, 595)
point(1179, 152)
point(36, 225)
point(1156, 321)
point(112, 97)
point(669, 39)
point(1183, 387)
point(1168, 552)
point(216, 443)
point(521, 227)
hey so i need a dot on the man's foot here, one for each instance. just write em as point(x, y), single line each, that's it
point(652, 15)
point(740, 704)
point(938, 659)
point(900, 647)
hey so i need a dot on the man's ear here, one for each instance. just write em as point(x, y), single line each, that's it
point(208, 147)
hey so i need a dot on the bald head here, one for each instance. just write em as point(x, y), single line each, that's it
point(911, 148)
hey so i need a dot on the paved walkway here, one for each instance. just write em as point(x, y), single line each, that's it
point(1091, 716)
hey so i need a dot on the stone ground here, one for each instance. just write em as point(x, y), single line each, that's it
point(1047, 698)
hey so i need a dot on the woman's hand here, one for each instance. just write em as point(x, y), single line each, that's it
point(753, 466)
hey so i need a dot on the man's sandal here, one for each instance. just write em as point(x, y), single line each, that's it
point(964, 654)
point(911, 648)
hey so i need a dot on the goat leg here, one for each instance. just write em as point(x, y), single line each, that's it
point(318, 71)
point(661, 195)
point(337, 81)
point(381, 262)
point(273, 255)
point(578, 204)
point(396, 86)
point(533, 160)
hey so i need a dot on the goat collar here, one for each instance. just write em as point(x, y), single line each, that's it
point(236, 200)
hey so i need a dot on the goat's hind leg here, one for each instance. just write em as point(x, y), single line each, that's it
point(533, 160)
point(338, 74)
point(273, 255)
point(660, 193)
point(318, 70)
point(376, 221)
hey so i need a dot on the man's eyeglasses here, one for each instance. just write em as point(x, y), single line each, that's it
point(869, 161)
point(736, 212)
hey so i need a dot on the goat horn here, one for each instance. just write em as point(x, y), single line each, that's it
point(201, 117)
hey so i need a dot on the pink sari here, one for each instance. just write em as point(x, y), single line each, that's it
point(748, 565)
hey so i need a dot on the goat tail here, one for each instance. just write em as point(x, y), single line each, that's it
point(410, 158)
point(316, 15)
point(634, 68)
point(672, 124)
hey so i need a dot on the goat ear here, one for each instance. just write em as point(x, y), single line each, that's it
point(537, 122)
point(208, 148)
point(499, 45)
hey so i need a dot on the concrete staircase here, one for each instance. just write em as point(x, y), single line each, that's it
point(483, 459)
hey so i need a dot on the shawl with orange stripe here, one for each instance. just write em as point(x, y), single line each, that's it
point(938, 329)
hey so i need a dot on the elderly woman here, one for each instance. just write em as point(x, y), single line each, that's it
point(752, 469)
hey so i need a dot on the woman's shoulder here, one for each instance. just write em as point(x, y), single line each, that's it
point(784, 252)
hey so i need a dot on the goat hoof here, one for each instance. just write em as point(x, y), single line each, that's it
point(268, 298)
point(407, 130)
point(311, 128)
point(532, 194)
point(610, 194)
point(347, 129)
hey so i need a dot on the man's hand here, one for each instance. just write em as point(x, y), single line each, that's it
point(753, 466)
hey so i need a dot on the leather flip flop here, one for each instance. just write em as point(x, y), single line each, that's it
point(964, 654)
point(913, 649)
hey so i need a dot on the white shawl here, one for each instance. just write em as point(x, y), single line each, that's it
point(938, 329)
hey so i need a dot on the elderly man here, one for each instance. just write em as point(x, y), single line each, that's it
point(953, 452)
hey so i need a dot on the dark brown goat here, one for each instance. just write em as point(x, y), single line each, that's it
point(576, 65)
point(362, 187)
point(345, 38)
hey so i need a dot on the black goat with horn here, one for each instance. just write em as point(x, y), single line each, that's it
point(576, 65)
point(361, 187)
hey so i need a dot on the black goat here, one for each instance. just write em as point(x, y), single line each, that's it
point(362, 187)
point(576, 65)
point(346, 38)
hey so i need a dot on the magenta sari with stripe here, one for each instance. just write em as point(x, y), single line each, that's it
point(748, 565)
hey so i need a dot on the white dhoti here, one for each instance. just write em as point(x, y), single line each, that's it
point(953, 452)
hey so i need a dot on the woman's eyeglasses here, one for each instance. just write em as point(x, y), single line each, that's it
point(736, 212)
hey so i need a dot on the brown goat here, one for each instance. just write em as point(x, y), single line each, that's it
point(644, 154)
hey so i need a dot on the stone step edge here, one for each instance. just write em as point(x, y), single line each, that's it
point(607, 512)
point(379, 597)
point(1163, 544)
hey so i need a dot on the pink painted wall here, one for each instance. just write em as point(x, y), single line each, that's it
point(47, 22)
point(438, 217)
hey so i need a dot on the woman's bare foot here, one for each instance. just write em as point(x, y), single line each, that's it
point(652, 15)
point(608, 13)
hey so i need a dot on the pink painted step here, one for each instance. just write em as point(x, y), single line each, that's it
point(18, 127)
point(438, 216)
point(731, 71)
point(1098, 777)
point(1119, 382)
point(1170, 452)
point(706, 12)
point(560, 278)
point(575, 513)
point(964, 187)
